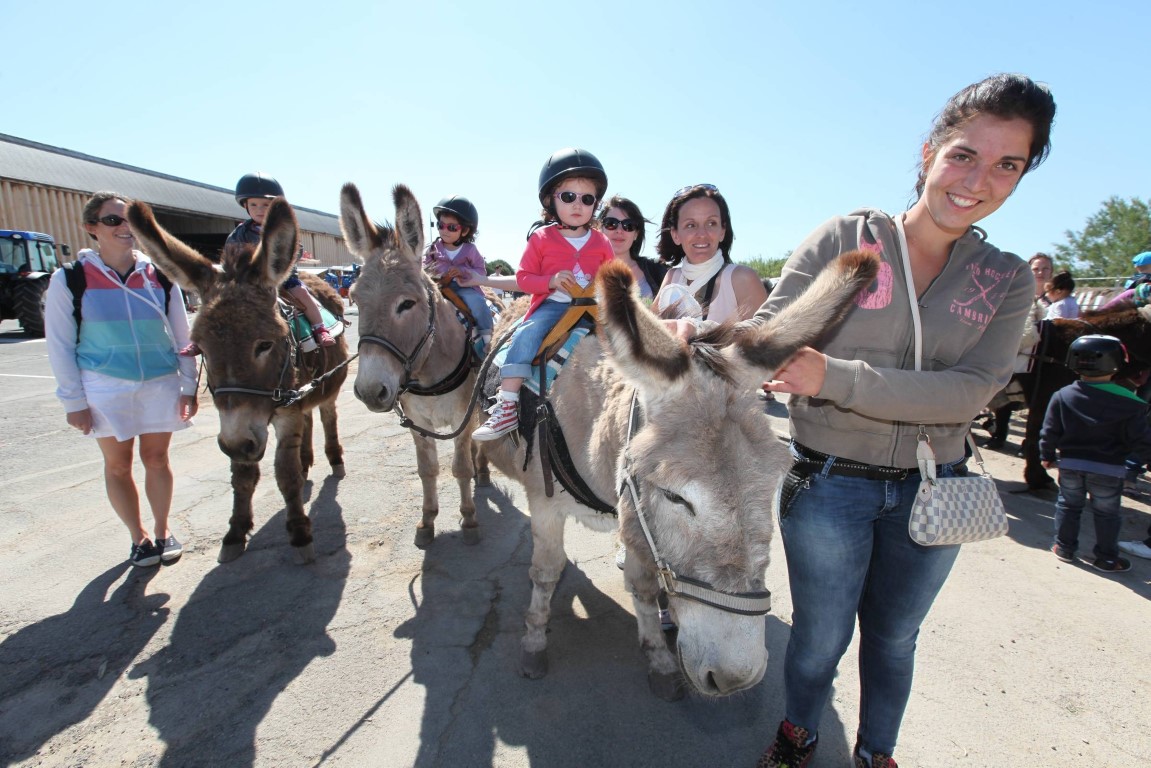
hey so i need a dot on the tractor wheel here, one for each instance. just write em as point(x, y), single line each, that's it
point(29, 302)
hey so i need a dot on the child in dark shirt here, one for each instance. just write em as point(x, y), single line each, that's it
point(1090, 429)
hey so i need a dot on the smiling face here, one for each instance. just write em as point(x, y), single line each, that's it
point(577, 213)
point(621, 241)
point(699, 230)
point(1041, 270)
point(974, 172)
point(112, 241)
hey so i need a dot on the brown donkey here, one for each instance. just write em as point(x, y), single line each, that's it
point(253, 367)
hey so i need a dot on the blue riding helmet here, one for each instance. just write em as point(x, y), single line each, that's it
point(1142, 259)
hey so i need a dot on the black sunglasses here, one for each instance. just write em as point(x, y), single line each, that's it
point(611, 223)
point(690, 187)
point(111, 220)
point(448, 227)
point(570, 197)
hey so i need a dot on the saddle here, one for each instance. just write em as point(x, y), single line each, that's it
point(299, 325)
point(582, 306)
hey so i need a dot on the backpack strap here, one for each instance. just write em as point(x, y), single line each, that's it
point(77, 283)
point(708, 290)
point(166, 284)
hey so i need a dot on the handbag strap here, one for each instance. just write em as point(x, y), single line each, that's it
point(923, 452)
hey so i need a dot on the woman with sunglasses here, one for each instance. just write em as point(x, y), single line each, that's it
point(453, 255)
point(859, 407)
point(561, 258)
point(695, 237)
point(622, 223)
point(117, 372)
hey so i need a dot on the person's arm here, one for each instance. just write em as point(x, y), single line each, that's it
point(181, 332)
point(499, 282)
point(60, 335)
point(889, 393)
point(1052, 433)
point(531, 276)
point(749, 291)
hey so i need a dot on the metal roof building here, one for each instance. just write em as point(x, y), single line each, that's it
point(44, 188)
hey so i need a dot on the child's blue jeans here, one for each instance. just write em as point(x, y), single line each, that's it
point(1106, 498)
point(527, 339)
point(477, 304)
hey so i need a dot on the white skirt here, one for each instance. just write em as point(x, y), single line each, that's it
point(124, 409)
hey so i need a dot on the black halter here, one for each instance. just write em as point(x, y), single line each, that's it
point(441, 387)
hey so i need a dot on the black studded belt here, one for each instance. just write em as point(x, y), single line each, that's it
point(811, 462)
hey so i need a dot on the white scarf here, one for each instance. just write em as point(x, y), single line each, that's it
point(697, 275)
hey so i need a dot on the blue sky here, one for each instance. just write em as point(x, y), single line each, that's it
point(797, 111)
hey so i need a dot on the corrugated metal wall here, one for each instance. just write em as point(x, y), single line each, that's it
point(57, 212)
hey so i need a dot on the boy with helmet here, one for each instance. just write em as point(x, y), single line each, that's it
point(1090, 428)
point(254, 193)
point(561, 256)
point(453, 255)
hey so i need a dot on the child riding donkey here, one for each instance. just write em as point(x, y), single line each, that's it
point(561, 259)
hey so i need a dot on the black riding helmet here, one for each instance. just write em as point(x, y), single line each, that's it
point(257, 185)
point(570, 162)
point(1096, 355)
point(460, 207)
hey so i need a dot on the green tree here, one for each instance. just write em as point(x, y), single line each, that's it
point(500, 267)
point(767, 267)
point(1121, 229)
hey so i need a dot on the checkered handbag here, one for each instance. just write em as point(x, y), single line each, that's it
point(954, 510)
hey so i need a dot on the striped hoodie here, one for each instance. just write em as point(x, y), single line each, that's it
point(124, 333)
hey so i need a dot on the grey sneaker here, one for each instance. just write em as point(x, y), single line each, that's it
point(169, 548)
point(1137, 548)
point(144, 554)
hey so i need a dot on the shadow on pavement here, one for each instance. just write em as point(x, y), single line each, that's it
point(250, 628)
point(57, 671)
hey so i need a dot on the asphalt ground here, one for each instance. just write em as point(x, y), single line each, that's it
point(380, 654)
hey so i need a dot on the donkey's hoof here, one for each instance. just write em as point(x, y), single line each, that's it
point(534, 664)
point(484, 479)
point(304, 554)
point(338, 471)
point(229, 552)
point(424, 536)
point(668, 686)
point(471, 535)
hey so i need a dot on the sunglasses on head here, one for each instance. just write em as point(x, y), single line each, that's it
point(570, 197)
point(111, 220)
point(448, 227)
point(690, 187)
point(611, 223)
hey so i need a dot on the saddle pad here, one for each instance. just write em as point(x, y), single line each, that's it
point(302, 329)
point(532, 383)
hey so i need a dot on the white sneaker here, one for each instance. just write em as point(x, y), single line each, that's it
point(504, 418)
point(1137, 548)
point(621, 556)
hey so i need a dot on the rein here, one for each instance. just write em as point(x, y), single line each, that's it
point(283, 397)
point(743, 603)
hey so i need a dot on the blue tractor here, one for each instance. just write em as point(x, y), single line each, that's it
point(27, 260)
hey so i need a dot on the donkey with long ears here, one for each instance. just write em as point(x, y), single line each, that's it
point(249, 356)
point(679, 427)
point(414, 353)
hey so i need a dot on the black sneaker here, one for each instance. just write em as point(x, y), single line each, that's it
point(1063, 553)
point(790, 749)
point(169, 548)
point(1112, 564)
point(144, 554)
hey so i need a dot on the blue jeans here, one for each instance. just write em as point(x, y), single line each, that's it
point(849, 555)
point(527, 339)
point(477, 304)
point(1106, 498)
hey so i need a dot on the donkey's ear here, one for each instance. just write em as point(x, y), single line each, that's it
point(279, 244)
point(362, 235)
point(805, 321)
point(409, 221)
point(643, 350)
point(186, 267)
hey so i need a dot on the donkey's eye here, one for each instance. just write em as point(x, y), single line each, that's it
point(263, 347)
point(405, 305)
point(675, 498)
